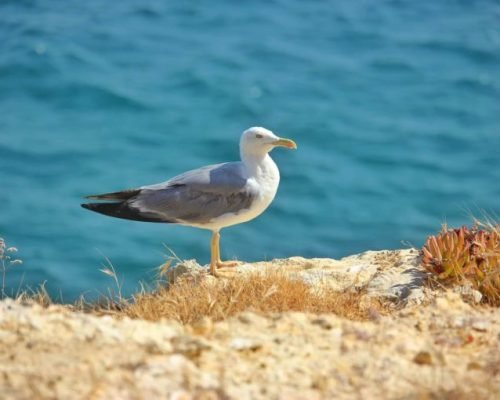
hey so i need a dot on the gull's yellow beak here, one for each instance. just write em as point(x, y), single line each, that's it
point(288, 143)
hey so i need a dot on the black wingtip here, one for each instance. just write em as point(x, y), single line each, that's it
point(111, 209)
point(122, 210)
point(121, 195)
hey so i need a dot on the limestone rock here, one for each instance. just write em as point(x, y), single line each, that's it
point(55, 353)
point(439, 348)
point(394, 274)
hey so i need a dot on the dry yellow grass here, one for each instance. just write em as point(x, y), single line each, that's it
point(268, 292)
point(189, 300)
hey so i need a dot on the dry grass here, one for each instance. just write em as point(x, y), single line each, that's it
point(189, 300)
point(38, 296)
point(264, 293)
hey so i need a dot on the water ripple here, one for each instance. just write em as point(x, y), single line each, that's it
point(394, 106)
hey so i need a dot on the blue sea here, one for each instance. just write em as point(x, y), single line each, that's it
point(394, 105)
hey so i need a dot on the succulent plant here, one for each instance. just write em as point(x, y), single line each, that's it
point(455, 255)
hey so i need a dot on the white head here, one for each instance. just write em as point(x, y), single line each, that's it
point(260, 141)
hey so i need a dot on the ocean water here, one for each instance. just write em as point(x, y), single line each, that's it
point(395, 106)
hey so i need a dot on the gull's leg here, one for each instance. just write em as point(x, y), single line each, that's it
point(214, 253)
point(222, 264)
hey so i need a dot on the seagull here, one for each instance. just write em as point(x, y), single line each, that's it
point(211, 197)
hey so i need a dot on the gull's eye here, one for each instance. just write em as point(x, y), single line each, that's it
point(259, 136)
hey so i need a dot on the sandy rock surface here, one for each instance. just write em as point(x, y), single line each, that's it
point(443, 348)
point(393, 274)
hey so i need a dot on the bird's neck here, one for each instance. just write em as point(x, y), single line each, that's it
point(259, 164)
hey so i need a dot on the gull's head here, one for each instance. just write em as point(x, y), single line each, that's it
point(259, 141)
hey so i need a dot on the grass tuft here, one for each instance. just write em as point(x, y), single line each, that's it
point(264, 293)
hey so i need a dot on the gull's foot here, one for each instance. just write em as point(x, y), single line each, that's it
point(228, 264)
point(227, 273)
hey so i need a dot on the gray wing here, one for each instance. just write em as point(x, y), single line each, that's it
point(197, 196)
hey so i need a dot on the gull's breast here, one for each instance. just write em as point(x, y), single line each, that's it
point(265, 184)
